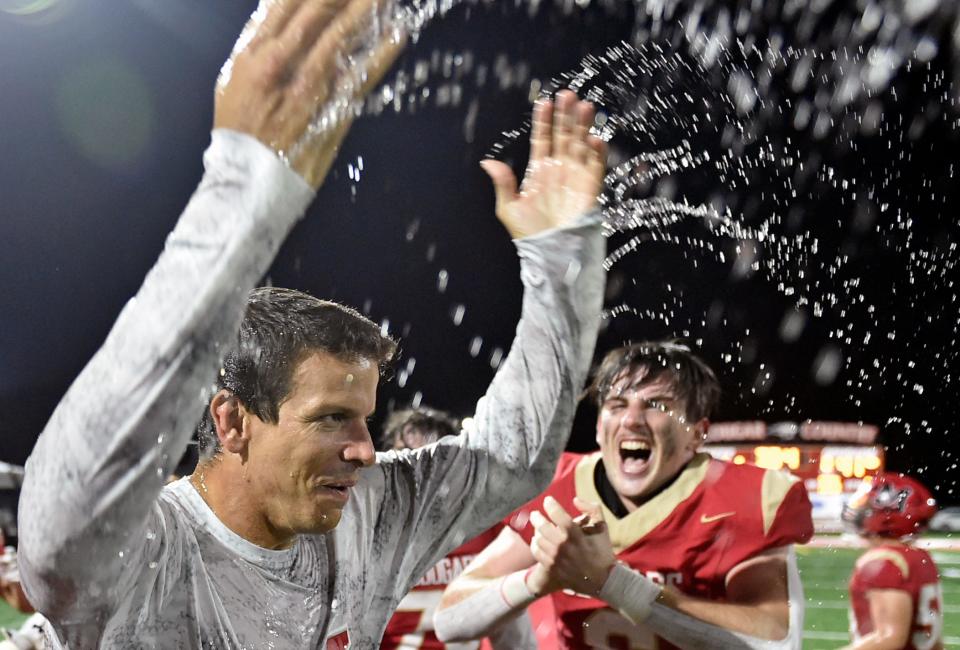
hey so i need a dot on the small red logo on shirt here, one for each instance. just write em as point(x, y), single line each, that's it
point(339, 642)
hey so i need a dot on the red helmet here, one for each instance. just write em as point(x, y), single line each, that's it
point(892, 505)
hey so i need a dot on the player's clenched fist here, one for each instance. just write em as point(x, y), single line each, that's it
point(571, 553)
point(289, 64)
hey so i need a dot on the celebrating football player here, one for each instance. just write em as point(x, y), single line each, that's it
point(674, 549)
point(411, 627)
point(895, 596)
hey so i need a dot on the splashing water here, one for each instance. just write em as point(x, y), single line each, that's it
point(807, 145)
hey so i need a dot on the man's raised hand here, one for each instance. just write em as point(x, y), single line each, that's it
point(290, 62)
point(565, 173)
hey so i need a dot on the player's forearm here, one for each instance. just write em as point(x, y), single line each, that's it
point(516, 633)
point(757, 621)
point(474, 608)
point(524, 420)
point(695, 634)
point(880, 639)
point(694, 623)
point(123, 424)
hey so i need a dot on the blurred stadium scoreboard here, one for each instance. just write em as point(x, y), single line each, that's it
point(832, 458)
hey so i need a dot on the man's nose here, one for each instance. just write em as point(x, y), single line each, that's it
point(359, 447)
point(636, 413)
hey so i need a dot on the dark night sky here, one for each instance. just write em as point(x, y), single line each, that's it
point(105, 110)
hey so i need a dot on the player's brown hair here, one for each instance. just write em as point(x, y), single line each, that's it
point(690, 377)
point(279, 329)
point(432, 424)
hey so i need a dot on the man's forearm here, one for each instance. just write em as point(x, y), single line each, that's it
point(494, 603)
point(524, 420)
point(102, 459)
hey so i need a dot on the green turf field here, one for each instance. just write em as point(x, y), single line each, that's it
point(825, 572)
point(9, 617)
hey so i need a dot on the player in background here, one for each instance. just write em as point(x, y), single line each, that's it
point(896, 601)
point(411, 627)
point(678, 550)
point(30, 635)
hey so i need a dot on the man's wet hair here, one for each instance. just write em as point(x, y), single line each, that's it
point(280, 328)
point(430, 423)
point(689, 376)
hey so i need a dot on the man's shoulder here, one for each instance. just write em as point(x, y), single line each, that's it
point(764, 496)
point(746, 476)
point(180, 500)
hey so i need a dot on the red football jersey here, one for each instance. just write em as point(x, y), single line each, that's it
point(711, 518)
point(411, 627)
point(894, 566)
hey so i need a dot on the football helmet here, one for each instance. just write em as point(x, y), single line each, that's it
point(892, 505)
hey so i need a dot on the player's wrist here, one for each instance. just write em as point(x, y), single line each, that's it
point(603, 576)
point(516, 591)
point(629, 592)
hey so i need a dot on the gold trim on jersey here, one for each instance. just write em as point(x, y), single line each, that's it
point(625, 532)
point(774, 489)
point(886, 554)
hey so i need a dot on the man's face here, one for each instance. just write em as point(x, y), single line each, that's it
point(302, 468)
point(643, 434)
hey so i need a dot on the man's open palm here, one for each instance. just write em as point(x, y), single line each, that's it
point(565, 173)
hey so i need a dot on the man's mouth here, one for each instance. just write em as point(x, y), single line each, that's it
point(634, 456)
point(339, 490)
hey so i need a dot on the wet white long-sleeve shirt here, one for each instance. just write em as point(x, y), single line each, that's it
point(116, 560)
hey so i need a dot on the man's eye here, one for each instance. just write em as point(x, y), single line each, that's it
point(331, 419)
point(656, 405)
point(614, 406)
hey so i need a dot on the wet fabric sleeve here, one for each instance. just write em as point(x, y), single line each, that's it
point(94, 475)
point(436, 497)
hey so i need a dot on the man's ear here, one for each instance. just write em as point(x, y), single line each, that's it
point(700, 429)
point(227, 413)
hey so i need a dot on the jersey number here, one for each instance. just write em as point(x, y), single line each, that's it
point(608, 630)
point(929, 616)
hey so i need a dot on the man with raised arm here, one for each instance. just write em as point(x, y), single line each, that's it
point(675, 549)
point(293, 534)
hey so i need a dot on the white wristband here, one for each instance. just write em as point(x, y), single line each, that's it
point(630, 593)
point(514, 590)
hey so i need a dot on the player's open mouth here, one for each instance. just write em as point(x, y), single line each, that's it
point(634, 456)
